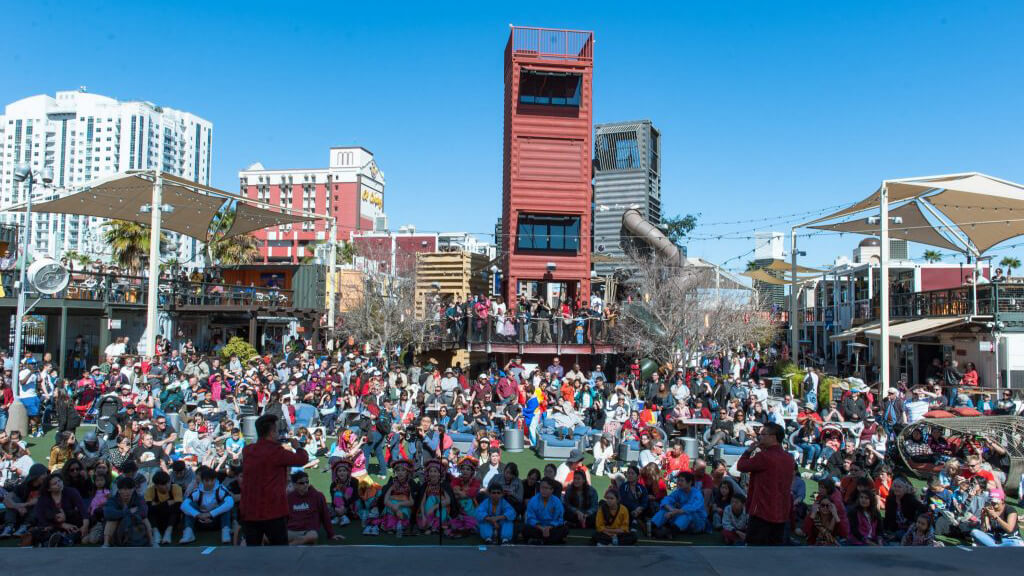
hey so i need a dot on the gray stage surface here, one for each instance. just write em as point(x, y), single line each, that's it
point(481, 561)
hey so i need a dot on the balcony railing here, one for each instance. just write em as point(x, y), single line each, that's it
point(492, 330)
point(998, 299)
point(553, 44)
point(121, 289)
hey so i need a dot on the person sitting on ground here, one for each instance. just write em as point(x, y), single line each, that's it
point(612, 522)
point(682, 510)
point(580, 501)
point(307, 513)
point(735, 521)
point(61, 518)
point(920, 533)
point(822, 523)
point(126, 518)
point(865, 521)
point(207, 507)
point(495, 517)
point(998, 523)
point(545, 523)
point(164, 499)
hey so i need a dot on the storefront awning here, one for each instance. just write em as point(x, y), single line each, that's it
point(852, 333)
point(900, 332)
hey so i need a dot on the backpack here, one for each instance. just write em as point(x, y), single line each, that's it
point(131, 531)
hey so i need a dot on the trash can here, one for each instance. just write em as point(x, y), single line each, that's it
point(249, 428)
point(174, 422)
point(691, 447)
point(513, 440)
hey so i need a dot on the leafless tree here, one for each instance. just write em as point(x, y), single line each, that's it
point(677, 313)
point(383, 311)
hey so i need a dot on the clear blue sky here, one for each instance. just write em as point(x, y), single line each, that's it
point(766, 108)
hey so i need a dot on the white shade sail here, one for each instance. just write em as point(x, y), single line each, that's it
point(914, 227)
point(985, 210)
point(122, 196)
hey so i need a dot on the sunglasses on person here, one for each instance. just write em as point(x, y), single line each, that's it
point(301, 482)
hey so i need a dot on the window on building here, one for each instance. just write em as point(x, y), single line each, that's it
point(548, 233)
point(549, 88)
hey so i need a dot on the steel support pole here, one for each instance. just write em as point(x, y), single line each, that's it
point(17, 415)
point(156, 204)
point(794, 292)
point(332, 282)
point(883, 331)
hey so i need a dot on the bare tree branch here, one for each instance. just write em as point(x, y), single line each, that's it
point(675, 314)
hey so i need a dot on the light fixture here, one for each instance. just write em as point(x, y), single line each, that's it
point(22, 172)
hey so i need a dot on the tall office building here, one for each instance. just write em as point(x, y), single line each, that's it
point(85, 136)
point(627, 174)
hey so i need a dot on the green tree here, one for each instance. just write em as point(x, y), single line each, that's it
point(75, 257)
point(678, 227)
point(932, 256)
point(752, 265)
point(234, 251)
point(1010, 262)
point(129, 244)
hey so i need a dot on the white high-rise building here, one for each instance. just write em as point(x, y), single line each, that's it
point(85, 136)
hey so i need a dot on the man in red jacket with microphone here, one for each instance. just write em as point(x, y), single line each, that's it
point(265, 467)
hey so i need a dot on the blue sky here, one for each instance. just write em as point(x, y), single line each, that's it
point(766, 108)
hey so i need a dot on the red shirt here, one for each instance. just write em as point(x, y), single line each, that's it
point(771, 479)
point(265, 477)
point(679, 463)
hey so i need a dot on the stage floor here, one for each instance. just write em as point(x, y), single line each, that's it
point(481, 561)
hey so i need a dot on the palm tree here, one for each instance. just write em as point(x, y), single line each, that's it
point(76, 257)
point(752, 265)
point(233, 251)
point(932, 256)
point(1009, 262)
point(129, 243)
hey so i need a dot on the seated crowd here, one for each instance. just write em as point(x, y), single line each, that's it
point(420, 449)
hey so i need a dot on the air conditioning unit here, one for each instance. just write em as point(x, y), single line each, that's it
point(380, 224)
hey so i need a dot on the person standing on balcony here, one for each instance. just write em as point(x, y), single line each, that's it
point(542, 314)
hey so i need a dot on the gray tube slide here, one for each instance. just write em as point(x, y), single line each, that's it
point(634, 223)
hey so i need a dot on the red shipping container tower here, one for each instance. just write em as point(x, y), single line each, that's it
point(546, 199)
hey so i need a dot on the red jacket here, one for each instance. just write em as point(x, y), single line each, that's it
point(769, 496)
point(264, 479)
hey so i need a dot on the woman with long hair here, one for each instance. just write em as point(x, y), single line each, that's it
point(635, 497)
point(62, 451)
point(580, 502)
point(62, 518)
point(865, 521)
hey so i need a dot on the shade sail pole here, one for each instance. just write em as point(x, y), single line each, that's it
point(883, 330)
point(332, 283)
point(794, 289)
point(155, 205)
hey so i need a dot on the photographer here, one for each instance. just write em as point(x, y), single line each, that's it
point(998, 523)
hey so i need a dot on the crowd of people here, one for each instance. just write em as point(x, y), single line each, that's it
point(184, 444)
